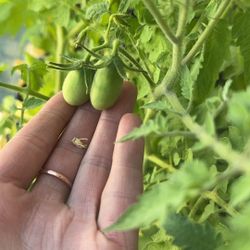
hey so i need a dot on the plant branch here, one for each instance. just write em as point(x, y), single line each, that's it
point(160, 21)
point(177, 53)
point(222, 9)
point(238, 162)
point(59, 53)
point(24, 91)
point(159, 162)
point(75, 30)
point(132, 60)
point(183, 15)
point(212, 195)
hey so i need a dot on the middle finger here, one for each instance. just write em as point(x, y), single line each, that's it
point(95, 166)
point(66, 157)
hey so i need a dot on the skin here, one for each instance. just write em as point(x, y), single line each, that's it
point(106, 177)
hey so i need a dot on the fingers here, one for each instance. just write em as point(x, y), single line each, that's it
point(124, 183)
point(25, 154)
point(95, 166)
point(66, 157)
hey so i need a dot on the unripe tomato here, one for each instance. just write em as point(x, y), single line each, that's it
point(74, 88)
point(106, 87)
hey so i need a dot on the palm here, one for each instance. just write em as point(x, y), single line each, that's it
point(51, 216)
point(47, 224)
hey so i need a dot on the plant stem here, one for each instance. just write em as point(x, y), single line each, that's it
point(140, 54)
point(24, 90)
point(238, 162)
point(177, 55)
point(74, 31)
point(212, 195)
point(195, 207)
point(223, 8)
point(159, 162)
point(178, 133)
point(59, 53)
point(183, 15)
point(160, 21)
point(132, 60)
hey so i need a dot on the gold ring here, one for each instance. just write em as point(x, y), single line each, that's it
point(59, 176)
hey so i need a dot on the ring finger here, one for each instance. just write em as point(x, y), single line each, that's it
point(66, 157)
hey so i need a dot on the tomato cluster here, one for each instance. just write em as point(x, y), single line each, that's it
point(103, 89)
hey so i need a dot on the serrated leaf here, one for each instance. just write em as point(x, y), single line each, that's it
point(241, 32)
point(123, 6)
point(23, 68)
point(161, 105)
point(165, 197)
point(32, 103)
point(208, 210)
point(214, 56)
point(189, 235)
point(189, 77)
point(186, 83)
point(238, 234)
point(240, 190)
point(142, 131)
point(95, 11)
point(239, 113)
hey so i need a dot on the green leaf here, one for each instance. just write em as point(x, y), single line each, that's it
point(238, 236)
point(32, 103)
point(241, 32)
point(240, 190)
point(15, 15)
point(36, 71)
point(214, 56)
point(208, 210)
point(95, 11)
point(182, 186)
point(41, 5)
point(123, 6)
point(189, 235)
point(239, 113)
point(162, 105)
point(142, 131)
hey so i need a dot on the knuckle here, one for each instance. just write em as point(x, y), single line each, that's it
point(98, 161)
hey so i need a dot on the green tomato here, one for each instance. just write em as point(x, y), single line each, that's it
point(74, 88)
point(106, 87)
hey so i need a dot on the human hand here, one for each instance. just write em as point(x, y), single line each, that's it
point(106, 178)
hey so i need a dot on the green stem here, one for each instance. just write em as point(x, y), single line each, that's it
point(178, 133)
point(238, 161)
point(24, 90)
point(76, 30)
point(220, 202)
point(132, 60)
point(159, 162)
point(183, 15)
point(160, 21)
point(24, 101)
point(195, 207)
point(140, 54)
point(177, 54)
point(223, 8)
point(59, 53)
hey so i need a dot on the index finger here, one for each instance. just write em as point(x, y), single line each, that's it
point(23, 156)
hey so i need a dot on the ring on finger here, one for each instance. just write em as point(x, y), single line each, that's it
point(58, 175)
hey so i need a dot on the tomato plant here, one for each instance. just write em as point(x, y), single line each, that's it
point(189, 60)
